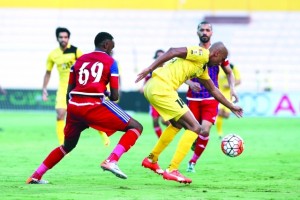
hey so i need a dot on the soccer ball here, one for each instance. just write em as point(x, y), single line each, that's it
point(232, 145)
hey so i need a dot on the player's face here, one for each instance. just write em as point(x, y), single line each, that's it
point(204, 32)
point(216, 59)
point(110, 46)
point(63, 39)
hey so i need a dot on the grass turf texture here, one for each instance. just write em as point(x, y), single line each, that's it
point(269, 167)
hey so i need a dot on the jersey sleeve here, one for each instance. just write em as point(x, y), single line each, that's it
point(114, 75)
point(197, 54)
point(49, 63)
point(205, 74)
point(79, 53)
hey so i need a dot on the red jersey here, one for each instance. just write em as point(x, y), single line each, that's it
point(92, 72)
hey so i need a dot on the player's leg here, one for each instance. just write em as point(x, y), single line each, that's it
point(61, 109)
point(164, 140)
point(208, 112)
point(72, 134)
point(200, 145)
point(223, 114)
point(60, 124)
point(190, 134)
point(117, 120)
point(155, 120)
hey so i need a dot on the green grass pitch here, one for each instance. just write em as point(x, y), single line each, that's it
point(269, 167)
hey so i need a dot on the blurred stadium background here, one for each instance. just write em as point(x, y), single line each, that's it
point(262, 36)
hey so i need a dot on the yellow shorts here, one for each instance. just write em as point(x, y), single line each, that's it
point(164, 99)
point(61, 99)
point(227, 96)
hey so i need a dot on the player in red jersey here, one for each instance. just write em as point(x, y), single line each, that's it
point(202, 104)
point(88, 107)
point(154, 114)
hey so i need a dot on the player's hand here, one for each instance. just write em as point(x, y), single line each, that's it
point(195, 86)
point(238, 111)
point(45, 95)
point(234, 97)
point(143, 74)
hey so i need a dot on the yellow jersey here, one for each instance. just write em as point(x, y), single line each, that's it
point(222, 79)
point(175, 72)
point(63, 61)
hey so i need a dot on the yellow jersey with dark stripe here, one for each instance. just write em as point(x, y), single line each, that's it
point(63, 61)
point(177, 71)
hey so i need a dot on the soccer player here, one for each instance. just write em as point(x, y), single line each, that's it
point(225, 89)
point(154, 114)
point(88, 107)
point(63, 57)
point(202, 104)
point(161, 92)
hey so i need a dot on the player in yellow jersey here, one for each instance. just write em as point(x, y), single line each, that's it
point(63, 57)
point(161, 92)
point(224, 88)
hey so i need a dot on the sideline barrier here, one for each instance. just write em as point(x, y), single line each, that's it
point(263, 104)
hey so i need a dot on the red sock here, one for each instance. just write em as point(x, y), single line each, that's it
point(52, 159)
point(157, 131)
point(129, 138)
point(199, 148)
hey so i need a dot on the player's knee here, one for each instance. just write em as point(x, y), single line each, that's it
point(135, 124)
point(68, 146)
point(196, 128)
point(204, 132)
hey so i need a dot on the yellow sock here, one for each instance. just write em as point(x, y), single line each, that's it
point(164, 140)
point(183, 147)
point(105, 138)
point(219, 125)
point(60, 125)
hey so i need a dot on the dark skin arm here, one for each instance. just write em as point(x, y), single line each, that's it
point(114, 94)
point(171, 53)
point(215, 92)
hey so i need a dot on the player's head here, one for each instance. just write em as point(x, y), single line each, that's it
point(217, 54)
point(204, 31)
point(104, 42)
point(158, 53)
point(62, 36)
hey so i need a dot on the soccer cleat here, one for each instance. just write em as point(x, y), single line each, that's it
point(113, 168)
point(152, 166)
point(36, 181)
point(191, 167)
point(176, 176)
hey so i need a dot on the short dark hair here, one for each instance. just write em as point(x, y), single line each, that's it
point(204, 22)
point(157, 52)
point(101, 37)
point(60, 30)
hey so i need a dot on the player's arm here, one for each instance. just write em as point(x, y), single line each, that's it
point(49, 66)
point(180, 52)
point(195, 86)
point(215, 92)
point(45, 84)
point(230, 79)
point(114, 82)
